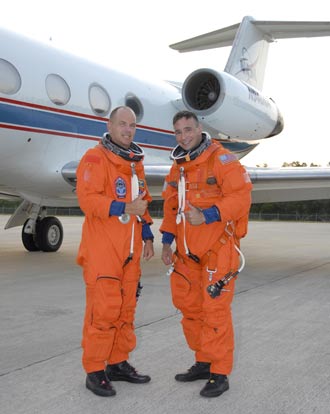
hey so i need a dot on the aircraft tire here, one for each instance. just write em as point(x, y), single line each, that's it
point(49, 234)
point(29, 241)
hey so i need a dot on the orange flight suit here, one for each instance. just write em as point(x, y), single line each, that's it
point(214, 178)
point(111, 285)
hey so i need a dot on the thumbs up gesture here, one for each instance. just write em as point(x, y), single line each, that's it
point(194, 215)
point(138, 206)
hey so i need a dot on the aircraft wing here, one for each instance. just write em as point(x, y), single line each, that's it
point(269, 184)
point(289, 184)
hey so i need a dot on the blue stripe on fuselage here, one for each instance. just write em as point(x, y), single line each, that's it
point(37, 119)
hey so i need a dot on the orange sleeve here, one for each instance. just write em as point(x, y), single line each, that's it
point(91, 185)
point(235, 185)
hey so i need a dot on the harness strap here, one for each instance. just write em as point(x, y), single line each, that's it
point(181, 196)
point(181, 207)
point(134, 195)
point(210, 257)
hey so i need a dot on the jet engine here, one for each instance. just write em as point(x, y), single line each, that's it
point(230, 106)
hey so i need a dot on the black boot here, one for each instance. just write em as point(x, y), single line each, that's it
point(215, 386)
point(99, 384)
point(200, 370)
point(125, 372)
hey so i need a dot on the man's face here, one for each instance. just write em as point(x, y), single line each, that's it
point(188, 133)
point(122, 127)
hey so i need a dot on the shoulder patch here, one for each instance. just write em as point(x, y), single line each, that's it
point(227, 158)
point(95, 159)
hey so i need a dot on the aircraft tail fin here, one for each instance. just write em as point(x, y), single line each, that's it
point(250, 40)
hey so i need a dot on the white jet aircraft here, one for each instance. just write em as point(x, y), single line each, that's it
point(54, 106)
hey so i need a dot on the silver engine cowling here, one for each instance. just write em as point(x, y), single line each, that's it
point(231, 106)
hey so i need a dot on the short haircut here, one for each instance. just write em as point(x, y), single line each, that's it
point(114, 111)
point(185, 114)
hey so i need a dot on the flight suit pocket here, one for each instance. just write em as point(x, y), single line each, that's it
point(180, 286)
point(217, 310)
point(107, 302)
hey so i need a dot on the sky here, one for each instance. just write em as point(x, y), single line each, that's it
point(134, 36)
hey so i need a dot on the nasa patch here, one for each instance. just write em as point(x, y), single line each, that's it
point(120, 185)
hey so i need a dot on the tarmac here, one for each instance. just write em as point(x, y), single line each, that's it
point(281, 314)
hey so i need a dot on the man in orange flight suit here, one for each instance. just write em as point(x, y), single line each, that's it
point(113, 194)
point(207, 200)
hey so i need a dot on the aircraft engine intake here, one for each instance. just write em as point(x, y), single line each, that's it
point(202, 90)
point(231, 106)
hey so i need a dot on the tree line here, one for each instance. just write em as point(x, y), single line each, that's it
point(299, 208)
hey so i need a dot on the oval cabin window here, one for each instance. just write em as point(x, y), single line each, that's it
point(57, 89)
point(10, 79)
point(135, 104)
point(99, 100)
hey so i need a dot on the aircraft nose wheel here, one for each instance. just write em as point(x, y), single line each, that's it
point(49, 235)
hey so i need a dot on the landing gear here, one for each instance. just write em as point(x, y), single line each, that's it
point(40, 232)
point(47, 236)
point(28, 240)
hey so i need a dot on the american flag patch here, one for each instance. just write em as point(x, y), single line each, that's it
point(227, 158)
point(93, 159)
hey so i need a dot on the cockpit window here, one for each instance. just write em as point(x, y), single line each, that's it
point(135, 104)
point(57, 89)
point(99, 100)
point(10, 79)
